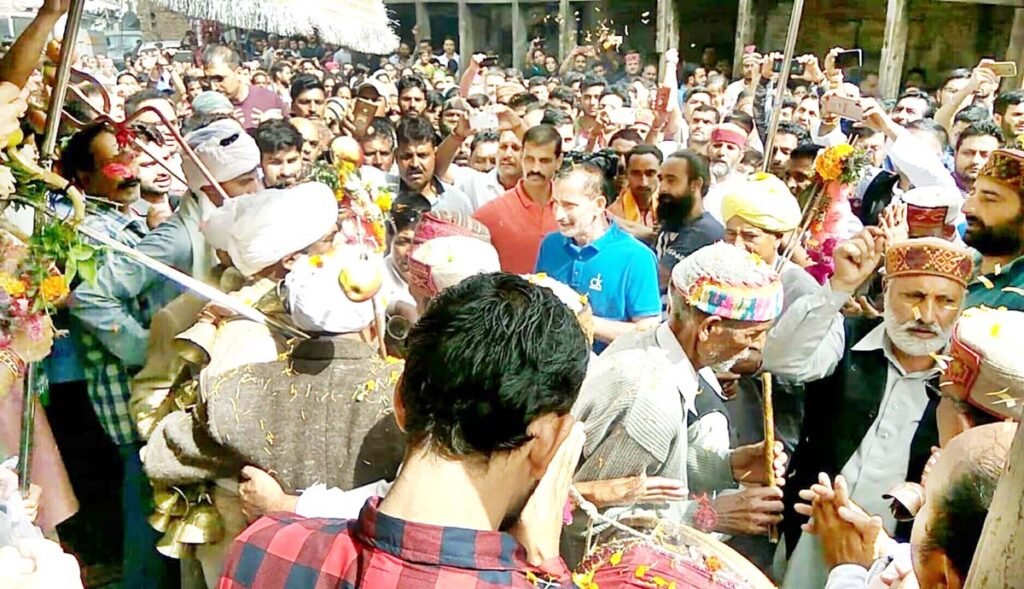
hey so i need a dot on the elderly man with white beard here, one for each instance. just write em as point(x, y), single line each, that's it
point(867, 415)
point(649, 446)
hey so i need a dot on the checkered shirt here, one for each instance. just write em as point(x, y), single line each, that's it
point(377, 551)
point(108, 381)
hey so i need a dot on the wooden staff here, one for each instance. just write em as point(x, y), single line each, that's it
point(780, 89)
point(769, 443)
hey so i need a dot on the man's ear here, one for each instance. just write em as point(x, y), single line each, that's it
point(997, 119)
point(548, 431)
point(399, 404)
point(697, 187)
point(707, 326)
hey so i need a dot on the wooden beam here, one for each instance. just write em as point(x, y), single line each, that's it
point(422, 22)
point(997, 560)
point(566, 29)
point(744, 33)
point(518, 35)
point(894, 47)
point(1015, 51)
point(466, 41)
point(667, 36)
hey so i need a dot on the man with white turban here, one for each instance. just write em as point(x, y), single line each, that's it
point(282, 242)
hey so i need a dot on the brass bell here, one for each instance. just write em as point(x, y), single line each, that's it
point(194, 344)
point(169, 501)
point(160, 521)
point(149, 411)
point(171, 547)
point(202, 525)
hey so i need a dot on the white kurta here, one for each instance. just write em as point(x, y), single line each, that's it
point(880, 462)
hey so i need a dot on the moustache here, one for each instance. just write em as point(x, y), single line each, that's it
point(129, 183)
point(917, 325)
point(536, 175)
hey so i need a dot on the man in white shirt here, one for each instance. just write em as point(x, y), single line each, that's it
point(868, 415)
point(725, 152)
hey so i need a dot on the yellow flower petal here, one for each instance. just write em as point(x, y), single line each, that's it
point(985, 281)
point(616, 558)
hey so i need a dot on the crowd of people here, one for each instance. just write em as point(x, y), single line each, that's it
point(540, 309)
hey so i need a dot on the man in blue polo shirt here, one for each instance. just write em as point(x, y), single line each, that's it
point(594, 256)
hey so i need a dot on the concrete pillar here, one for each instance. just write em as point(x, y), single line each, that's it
point(894, 47)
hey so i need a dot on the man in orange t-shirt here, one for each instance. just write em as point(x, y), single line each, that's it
point(519, 219)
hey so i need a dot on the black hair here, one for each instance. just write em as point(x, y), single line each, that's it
point(408, 82)
point(1006, 99)
point(381, 126)
point(626, 135)
point(77, 155)
point(189, 79)
point(555, 118)
point(491, 355)
point(620, 92)
point(123, 74)
point(930, 126)
point(789, 102)
point(221, 53)
point(544, 135)
point(277, 135)
point(961, 512)
point(304, 83)
point(972, 114)
point(403, 218)
point(961, 73)
point(523, 99)
point(435, 101)
point(711, 109)
point(645, 149)
point(483, 137)
point(791, 128)
point(696, 168)
point(478, 100)
point(565, 95)
point(738, 117)
point(277, 68)
point(538, 81)
point(591, 81)
point(806, 150)
point(980, 129)
point(930, 104)
point(695, 90)
point(134, 102)
point(416, 129)
point(753, 157)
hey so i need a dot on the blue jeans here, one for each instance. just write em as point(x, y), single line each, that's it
point(142, 566)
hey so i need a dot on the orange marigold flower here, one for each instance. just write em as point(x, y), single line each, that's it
point(713, 563)
point(53, 288)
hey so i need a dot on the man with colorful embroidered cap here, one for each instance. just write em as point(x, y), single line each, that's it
point(995, 228)
point(934, 211)
point(867, 415)
point(723, 301)
point(594, 256)
point(447, 248)
point(494, 367)
point(983, 381)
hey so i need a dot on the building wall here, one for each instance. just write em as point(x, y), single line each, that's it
point(160, 24)
point(942, 35)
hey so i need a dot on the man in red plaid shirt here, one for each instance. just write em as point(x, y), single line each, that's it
point(494, 367)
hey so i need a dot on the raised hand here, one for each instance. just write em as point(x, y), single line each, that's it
point(857, 259)
point(748, 464)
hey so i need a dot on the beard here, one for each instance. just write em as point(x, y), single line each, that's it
point(901, 338)
point(999, 240)
point(720, 169)
point(728, 365)
point(673, 211)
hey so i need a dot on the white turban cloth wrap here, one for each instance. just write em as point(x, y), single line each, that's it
point(259, 230)
point(316, 300)
point(225, 149)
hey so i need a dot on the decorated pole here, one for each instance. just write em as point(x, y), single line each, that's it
point(769, 442)
point(60, 86)
point(28, 411)
point(780, 89)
